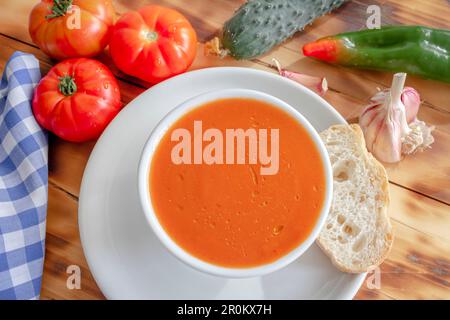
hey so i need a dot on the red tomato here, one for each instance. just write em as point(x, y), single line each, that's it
point(71, 28)
point(153, 43)
point(77, 99)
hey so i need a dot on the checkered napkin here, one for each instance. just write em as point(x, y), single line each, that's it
point(23, 182)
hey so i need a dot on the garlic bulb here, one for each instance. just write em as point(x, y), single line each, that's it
point(409, 97)
point(390, 125)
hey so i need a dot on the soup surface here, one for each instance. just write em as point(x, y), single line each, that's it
point(230, 214)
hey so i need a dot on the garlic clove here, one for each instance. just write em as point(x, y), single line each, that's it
point(384, 132)
point(411, 100)
point(387, 146)
point(316, 84)
point(371, 124)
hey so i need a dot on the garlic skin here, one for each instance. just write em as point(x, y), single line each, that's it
point(390, 125)
point(419, 139)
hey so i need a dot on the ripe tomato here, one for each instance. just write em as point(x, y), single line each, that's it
point(153, 43)
point(71, 28)
point(77, 99)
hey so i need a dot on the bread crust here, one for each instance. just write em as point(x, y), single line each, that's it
point(382, 176)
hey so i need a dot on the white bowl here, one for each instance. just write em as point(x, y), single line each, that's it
point(144, 191)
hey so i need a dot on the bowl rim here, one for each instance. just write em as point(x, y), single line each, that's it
point(144, 189)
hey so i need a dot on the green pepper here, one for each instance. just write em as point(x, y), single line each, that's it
point(413, 49)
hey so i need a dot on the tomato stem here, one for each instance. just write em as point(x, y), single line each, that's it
point(67, 85)
point(151, 36)
point(59, 8)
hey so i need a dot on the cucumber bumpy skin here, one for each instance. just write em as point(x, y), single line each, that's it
point(259, 25)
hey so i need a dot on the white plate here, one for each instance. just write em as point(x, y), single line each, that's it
point(127, 260)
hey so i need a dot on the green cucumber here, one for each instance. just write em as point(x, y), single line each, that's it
point(259, 25)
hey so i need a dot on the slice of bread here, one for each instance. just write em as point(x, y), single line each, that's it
point(357, 234)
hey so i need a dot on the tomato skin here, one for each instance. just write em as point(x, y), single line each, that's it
point(56, 39)
point(153, 44)
point(84, 115)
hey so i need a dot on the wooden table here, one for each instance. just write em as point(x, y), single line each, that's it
point(418, 266)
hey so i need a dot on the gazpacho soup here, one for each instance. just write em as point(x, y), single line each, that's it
point(237, 182)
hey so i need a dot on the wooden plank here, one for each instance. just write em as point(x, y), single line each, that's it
point(63, 248)
point(206, 19)
point(425, 12)
point(418, 266)
point(420, 254)
point(420, 213)
point(14, 19)
point(371, 294)
point(419, 258)
point(426, 172)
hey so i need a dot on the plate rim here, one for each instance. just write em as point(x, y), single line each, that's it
point(349, 294)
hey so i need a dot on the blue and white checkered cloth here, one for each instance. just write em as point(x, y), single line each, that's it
point(23, 182)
